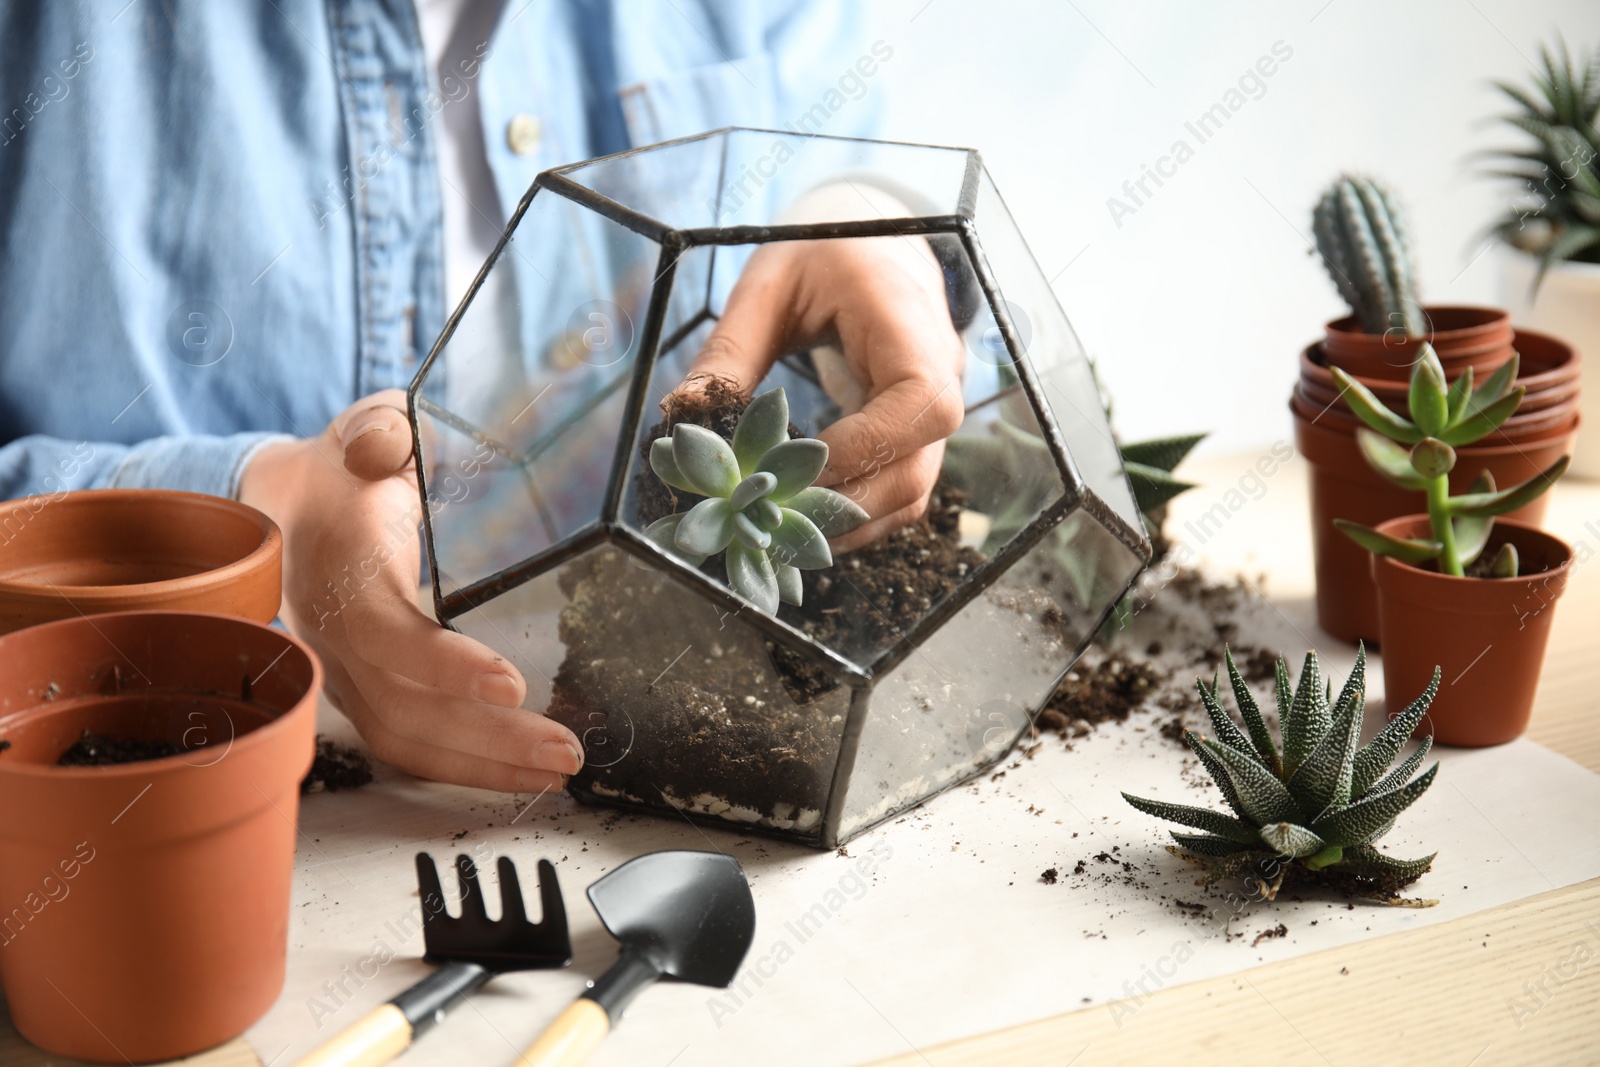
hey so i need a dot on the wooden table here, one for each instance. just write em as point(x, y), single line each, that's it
point(1445, 994)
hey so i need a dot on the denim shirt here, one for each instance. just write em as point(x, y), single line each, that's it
point(221, 223)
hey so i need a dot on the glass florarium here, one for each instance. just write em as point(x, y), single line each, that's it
point(547, 416)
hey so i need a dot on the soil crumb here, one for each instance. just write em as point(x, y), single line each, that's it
point(1267, 935)
point(336, 767)
point(1050, 876)
point(101, 750)
point(1093, 693)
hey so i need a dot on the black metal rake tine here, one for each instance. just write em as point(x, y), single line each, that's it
point(511, 907)
point(471, 892)
point(430, 892)
point(552, 909)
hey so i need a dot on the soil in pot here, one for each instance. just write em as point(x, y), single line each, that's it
point(733, 725)
point(1343, 486)
point(1487, 636)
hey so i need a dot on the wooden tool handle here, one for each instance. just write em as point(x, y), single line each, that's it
point(380, 1036)
point(569, 1040)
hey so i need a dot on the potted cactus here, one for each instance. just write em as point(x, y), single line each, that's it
point(1550, 274)
point(1456, 588)
point(1307, 807)
point(1362, 237)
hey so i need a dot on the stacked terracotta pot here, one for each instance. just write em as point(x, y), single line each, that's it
point(1343, 486)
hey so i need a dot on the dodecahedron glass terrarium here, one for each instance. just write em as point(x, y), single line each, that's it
point(910, 664)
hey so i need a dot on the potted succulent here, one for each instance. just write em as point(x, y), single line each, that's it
point(1456, 588)
point(1307, 807)
point(1361, 236)
point(651, 553)
point(1551, 229)
point(150, 765)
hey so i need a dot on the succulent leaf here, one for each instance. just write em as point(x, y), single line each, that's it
point(1364, 859)
point(1222, 726)
point(1162, 453)
point(833, 513)
point(1460, 394)
point(663, 534)
point(1388, 459)
point(753, 577)
point(1431, 457)
point(751, 535)
point(765, 514)
point(1152, 487)
point(1250, 712)
point(1405, 549)
point(666, 467)
point(1308, 717)
point(1495, 386)
point(1322, 781)
point(1372, 411)
point(798, 543)
point(1263, 795)
point(1211, 822)
point(1402, 774)
point(1360, 822)
point(763, 426)
point(796, 464)
point(1375, 756)
point(1428, 398)
point(705, 459)
point(754, 487)
point(1291, 839)
point(790, 588)
point(1215, 769)
point(706, 528)
point(1472, 534)
point(1508, 500)
point(1208, 845)
point(1479, 424)
point(1505, 563)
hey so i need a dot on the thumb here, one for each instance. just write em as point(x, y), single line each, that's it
point(375, 436)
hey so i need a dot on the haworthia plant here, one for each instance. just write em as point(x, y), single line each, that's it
point(1361, 235)
point(1317, 797)
point(760, 508)
point(1419, 453)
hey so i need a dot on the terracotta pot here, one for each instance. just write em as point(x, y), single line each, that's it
point(1487, 636)
point(1343, 486)
point(102, 550)
point(1549, 373)
point(153, 897)
point(1566, 304)
point(1462, 336)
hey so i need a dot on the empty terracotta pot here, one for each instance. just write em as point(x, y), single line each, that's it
point(1461, 336)
point(150, 897)
point(1343, 486)
point(100, 550)
point(1487, 636)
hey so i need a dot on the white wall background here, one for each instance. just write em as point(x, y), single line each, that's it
point(1196, 306)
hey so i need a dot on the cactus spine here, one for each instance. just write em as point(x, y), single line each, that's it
point(1361, 234)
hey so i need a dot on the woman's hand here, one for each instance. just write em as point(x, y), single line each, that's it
point(426, 699)
point(882, 301)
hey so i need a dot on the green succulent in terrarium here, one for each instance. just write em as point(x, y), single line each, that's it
point(1361, 235)
point(1560, 170)
point(760, 507)
point(1419, 453)
point(1311, 809)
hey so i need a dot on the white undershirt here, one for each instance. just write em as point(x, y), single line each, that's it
point(453, 31)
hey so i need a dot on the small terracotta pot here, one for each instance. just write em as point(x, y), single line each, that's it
point(1549, 372)
point(1343, 486)
point(1461, 336)
point(1487, 636)
point(102, 550)
point(152, 897)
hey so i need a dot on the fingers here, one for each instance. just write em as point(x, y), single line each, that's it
point(747, 338)
point(387, 631)
point(878, 529)
point(896, 495)
point(906, 417)
point(375, 436)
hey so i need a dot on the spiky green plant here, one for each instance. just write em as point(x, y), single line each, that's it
point(1313, 806)
point(1361, 234)
point(1150, 465)
point(1559, 172)
point(760, 508)
point(1420, 452)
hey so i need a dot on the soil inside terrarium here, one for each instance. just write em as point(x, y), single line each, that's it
point(757, 732)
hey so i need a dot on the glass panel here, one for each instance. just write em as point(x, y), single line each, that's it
point(1068, 378)
point(959, 702)
point(755, 177)
point(531, 388)
point(680, 705)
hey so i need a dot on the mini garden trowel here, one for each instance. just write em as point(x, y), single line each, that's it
point(686, 916)
point(470, 950)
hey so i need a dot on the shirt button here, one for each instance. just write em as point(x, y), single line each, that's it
point(522, 134)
